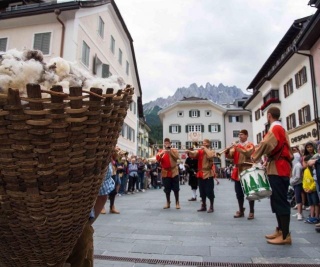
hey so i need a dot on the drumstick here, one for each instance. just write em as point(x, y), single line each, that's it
point(251, 163)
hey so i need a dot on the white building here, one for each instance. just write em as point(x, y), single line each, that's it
point(286, 81)
point(91, 33)
point(236, 119)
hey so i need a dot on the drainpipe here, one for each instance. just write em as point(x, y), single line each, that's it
point(58, 12)
point(314, 92)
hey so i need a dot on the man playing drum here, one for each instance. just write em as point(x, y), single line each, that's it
point(241, 153)
point(275, 145)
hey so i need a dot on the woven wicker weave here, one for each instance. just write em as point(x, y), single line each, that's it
point(53, 156)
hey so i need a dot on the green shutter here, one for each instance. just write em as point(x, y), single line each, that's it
point(198, 113)
point(105, 70)
point(170, 129)
point(190, 113)
point(186, 128)
point(209, 128)
point(94, 67)
point(241, 118)
point(202, 128)
point(179, 129)
point(219, 128)
point(230, 118)
point(219, 144)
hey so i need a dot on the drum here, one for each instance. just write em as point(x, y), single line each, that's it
point(255, 183)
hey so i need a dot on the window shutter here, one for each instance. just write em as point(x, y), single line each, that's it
point(105, 70)
point(241, 118)
point(230, 118)
point(3, 44)
point(190, 113)
point(179, 129)
point(42, 42)
point(209, 128)
point(198, 113)
point(94, 67)
point(179, 145)
point(170, 129)
point(300, 116)
point(308, 113)
point(294, 120)
point(296, 80)
point(202, 128)
point(219, 128)
point(186, 128)
point(304, 73)
point(288, 125)
point(219, 144)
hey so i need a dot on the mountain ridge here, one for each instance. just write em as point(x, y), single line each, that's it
point(218, 94)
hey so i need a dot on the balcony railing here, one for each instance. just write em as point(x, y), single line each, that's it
point(268, 102)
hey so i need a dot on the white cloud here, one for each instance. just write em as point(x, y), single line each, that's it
point(179, 42)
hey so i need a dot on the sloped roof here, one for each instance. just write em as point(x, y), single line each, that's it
point(42, 7)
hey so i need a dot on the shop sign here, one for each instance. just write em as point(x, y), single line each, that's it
point(307, 134)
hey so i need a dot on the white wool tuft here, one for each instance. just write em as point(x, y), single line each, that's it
point(62, 66)
point(18, 68)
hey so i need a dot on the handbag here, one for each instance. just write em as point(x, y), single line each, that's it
point(308, 183)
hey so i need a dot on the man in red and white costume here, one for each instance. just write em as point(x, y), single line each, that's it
point(168, 157)
point(241, 153)
point(204, 174)
point(275, 145)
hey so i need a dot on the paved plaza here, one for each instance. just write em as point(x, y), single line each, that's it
point(144, 230)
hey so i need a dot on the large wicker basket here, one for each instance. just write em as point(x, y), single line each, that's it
point(53, 156)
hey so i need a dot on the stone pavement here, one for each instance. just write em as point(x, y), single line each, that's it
point(145, 230)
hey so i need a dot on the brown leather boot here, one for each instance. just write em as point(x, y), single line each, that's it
point(210, 210)
point(113, 210)
point(177, 205)
point(274, 235)
point(103, 211)
point(203, 208)
point(280, 241)
point(167, 206)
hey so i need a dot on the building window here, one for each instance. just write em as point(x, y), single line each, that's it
point(42, 42)
point(176, 144)
point(120, 56)
point(180, 113)
point(288, 88)
point(233, 118)
point(304, 115)
point(257, 114)
point(214, 128)
point(259, 138)
point(301, 77)
point(127, 67)
point(236, 133)
point(291, 121)
point(194, 128)
point(189, 145)
point(215, 144)
point(194, 113)
point(174, 129)
point(101, 27)
point(112, 44)
point(85, 54)
point(3, 44)
point(208, 113)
